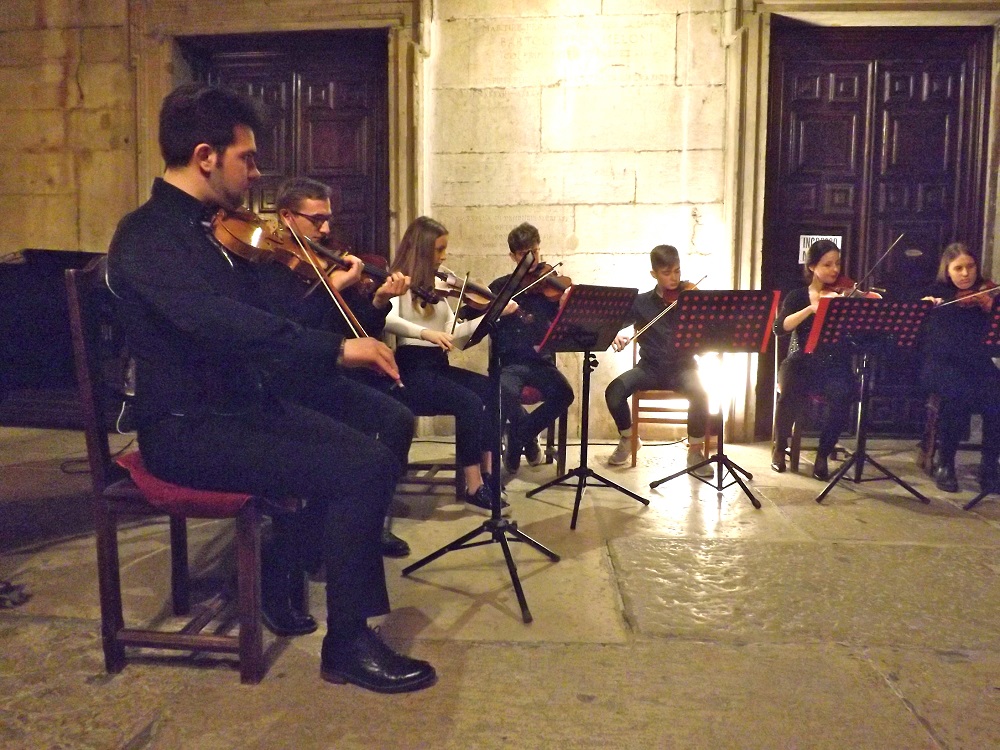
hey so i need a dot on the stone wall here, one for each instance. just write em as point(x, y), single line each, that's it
point(602, 123)
point(67, 151)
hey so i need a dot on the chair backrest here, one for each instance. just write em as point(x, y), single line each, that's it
point(97, 348)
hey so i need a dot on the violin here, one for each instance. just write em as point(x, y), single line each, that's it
point(980, 295)
point(373, 272)
point(845, 286)
point(543, 280)
point(670, 295)
point(476, 296)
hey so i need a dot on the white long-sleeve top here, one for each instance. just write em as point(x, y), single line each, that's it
point(406, 320)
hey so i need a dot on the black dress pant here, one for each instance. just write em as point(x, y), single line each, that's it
point(965, 387)
point(808, 374)
point(434, 387)
point(557, 395)
point(284, 449)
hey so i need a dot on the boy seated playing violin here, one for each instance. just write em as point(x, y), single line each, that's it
point(660, 366)
point(520, 365)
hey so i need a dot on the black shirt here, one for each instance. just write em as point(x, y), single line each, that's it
point(518, 335)
point(195, 318)
point(656, 344)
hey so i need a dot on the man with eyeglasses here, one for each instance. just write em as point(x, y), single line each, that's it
point(303, 206)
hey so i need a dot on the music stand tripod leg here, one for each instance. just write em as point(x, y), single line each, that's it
point(976, 500)
point(838, 475)
point(898, 480)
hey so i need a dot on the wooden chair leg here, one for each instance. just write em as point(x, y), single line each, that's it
point(550, 443)
point(251, 636)
point(110, 586)
point(180, 579)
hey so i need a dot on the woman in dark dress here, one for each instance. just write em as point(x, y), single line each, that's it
point(801, 374)
point(958, 368)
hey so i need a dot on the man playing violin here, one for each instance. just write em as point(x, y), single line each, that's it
point(660, 366)
point(521, 365)
point(208, 355)
point(303, 207)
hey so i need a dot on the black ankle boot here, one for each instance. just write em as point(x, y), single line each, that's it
point(821, 469)
point(944, 477)
point(778, 457)
point(276, 610)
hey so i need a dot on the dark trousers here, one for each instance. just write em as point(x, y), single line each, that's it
point(285, 449)
point(557, 395)
point(434, 387)
point(964, 389)
point(645, 378)
point(803, 376)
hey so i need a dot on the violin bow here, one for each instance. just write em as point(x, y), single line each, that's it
point(352, 322)
point(660, 314)
point(882, 257)
point(970, 296)
point(539, 280)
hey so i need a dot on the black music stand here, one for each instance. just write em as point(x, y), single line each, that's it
point(495, 526)
point(733, 321)
point(588, 321)
point(865, 327)
point(992, 342)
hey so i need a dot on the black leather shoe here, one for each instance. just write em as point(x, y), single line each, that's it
point(286, 621)
point(393, 546)
point(367, 662)
point(778, 460)
point(944, 478)
point(820, 469)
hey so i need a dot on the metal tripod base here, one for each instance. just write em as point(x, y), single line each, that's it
point(859, 458)
point(977, 499)
point(720, 460)
point(582, 474)
point(498, 529)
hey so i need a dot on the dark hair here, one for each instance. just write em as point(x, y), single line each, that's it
point(292, 192)
point(813, 255)
point(195, 113)
point(663, 256)
point(523, 237)
point(415, 254)
point(954, 251)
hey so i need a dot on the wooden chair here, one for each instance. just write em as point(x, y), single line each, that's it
point(659, 407)
point(116, 493)
point(428, 475)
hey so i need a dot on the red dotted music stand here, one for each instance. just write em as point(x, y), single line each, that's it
point(866, 327)
point(733, 321)
point(588, 321)
point(992, 343)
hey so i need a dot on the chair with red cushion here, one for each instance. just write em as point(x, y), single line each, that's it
point(127, 488)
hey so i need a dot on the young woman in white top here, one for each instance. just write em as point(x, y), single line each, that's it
point(424, 335)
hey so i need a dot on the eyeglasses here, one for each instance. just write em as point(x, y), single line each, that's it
point(317, 220)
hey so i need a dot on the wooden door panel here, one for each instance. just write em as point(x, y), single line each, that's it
point(326, 94)
point(872, 133)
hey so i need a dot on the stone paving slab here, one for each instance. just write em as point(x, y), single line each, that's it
point(641, 694)
point(743, 591)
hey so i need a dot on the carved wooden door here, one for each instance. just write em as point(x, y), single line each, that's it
point(327, 100)
point(873, 133)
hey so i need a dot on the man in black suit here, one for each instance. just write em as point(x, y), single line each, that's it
point(209, 353)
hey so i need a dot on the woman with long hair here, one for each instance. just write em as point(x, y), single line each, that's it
point(425, 333)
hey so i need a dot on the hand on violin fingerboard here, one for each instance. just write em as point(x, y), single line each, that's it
point(342, 279)
point(439, 338)
point(395, 285)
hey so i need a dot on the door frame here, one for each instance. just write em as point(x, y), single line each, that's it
point(748, 38)
point(155, 26)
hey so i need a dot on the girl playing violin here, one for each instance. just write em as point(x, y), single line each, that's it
point(802, 374)
point(958, 368)
point(425, 334)
point(660, 365)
